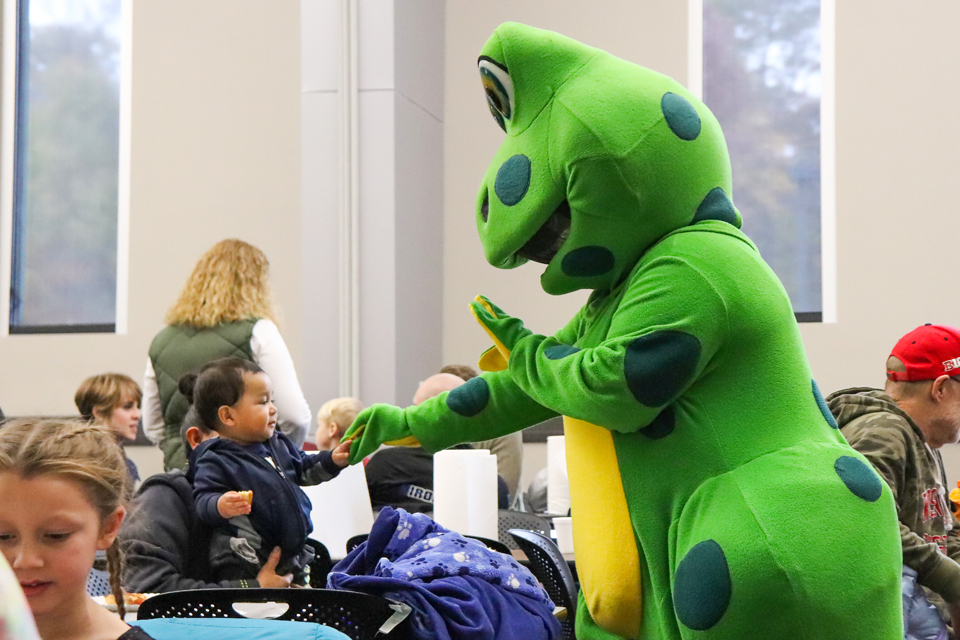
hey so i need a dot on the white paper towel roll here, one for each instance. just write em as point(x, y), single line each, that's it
point(563, 528)
point(465, 491)
point(482, 497)
point(558, 485)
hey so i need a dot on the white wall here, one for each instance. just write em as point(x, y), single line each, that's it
point(897, 171)
point(215, 154)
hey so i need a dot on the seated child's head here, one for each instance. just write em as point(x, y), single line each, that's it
point(113, 400)
point(333, 419)
point(62, 484)
point(464, 371)
point(233, 397)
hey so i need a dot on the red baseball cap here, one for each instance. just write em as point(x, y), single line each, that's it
point(927, 352)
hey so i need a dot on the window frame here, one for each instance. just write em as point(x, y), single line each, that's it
point(15, 25)
point(828, 188)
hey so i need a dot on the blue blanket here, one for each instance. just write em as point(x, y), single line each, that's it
point(457, 588)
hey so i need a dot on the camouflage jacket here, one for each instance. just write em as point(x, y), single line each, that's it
point(875, 426)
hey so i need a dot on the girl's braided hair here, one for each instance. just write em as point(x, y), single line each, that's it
point(80, 451)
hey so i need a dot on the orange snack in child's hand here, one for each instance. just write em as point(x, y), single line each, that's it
point(955, 498)
point(247, 495)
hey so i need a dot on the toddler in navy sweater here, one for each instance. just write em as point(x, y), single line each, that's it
point(247, 481)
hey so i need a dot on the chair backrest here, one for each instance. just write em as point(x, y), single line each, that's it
point(358, 615)
point(356, 541)
point(519, 520)
point(98, 583)
point(493, 545)
point(551, 569)
point(320, 565)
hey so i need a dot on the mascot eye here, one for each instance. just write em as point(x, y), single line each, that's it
point(498, 88)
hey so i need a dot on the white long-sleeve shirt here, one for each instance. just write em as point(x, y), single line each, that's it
point(271, 353)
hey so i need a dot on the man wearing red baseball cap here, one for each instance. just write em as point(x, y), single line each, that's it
point(900, 430)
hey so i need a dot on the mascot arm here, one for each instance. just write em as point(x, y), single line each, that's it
point(486, 407)
point(667, 327)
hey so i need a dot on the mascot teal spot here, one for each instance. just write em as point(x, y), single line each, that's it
point(662, 425)
point(710, 498)
point(859, 477)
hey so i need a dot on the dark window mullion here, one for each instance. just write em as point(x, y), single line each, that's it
point(21, 119)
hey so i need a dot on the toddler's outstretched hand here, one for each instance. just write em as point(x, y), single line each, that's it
point(231, 504)
point(341, 455)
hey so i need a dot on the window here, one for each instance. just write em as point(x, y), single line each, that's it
point(766, 72)
point(69, 169)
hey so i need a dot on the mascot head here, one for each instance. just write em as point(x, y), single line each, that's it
point(602, 158)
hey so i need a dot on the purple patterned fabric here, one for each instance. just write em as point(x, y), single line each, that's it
point(456, 586)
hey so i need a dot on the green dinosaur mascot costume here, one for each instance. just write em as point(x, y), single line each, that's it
point(712, 494)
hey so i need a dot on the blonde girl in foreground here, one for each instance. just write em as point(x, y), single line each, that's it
point(63, 484)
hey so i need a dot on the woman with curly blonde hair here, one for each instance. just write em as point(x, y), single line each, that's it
point(225, 309)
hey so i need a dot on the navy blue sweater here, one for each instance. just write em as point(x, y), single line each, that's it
point(281, 510)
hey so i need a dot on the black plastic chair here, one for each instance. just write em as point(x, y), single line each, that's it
point(358, 615)
point(321, 564)
point(519, 520)
point(493, 545)
point(550, 568)
point(98, 583)
point(356, 541)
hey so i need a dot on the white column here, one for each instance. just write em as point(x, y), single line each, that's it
point(320, 193)
point(418, 109)
point(400, 184)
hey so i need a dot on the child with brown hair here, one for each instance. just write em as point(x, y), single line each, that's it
point(63, 484)
point(113, 400)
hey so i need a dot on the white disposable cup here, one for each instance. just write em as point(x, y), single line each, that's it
point(564, 530)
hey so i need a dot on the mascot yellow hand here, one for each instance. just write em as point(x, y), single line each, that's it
point(504, 330)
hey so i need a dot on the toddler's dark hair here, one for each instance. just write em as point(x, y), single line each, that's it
point(219, 383)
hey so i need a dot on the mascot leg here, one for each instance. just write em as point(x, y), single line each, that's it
point(745, 567)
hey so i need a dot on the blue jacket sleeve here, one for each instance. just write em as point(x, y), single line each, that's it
point(317, 467)
point(310, 468)
point(208, 485)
